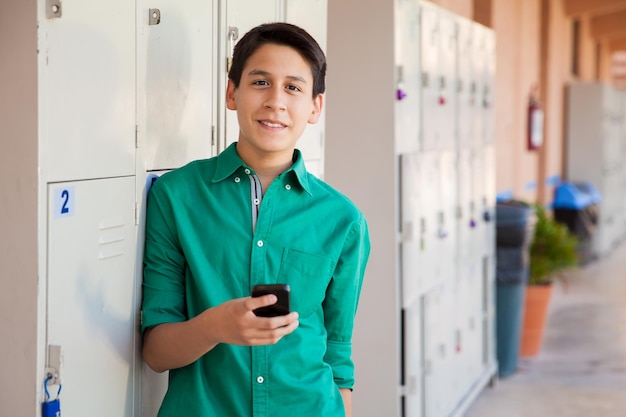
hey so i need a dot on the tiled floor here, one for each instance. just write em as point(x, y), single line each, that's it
point(581, 370)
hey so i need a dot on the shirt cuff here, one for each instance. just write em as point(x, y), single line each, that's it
point(339, 357)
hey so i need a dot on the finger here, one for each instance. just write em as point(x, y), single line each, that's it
point(272, 323)
point(265, 300)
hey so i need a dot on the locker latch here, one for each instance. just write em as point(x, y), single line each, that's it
point(154, 17)
point(53, 9)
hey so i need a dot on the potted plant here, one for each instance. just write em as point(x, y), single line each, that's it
point(553, 250)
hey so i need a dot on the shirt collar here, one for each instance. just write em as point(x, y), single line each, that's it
point(229, 161)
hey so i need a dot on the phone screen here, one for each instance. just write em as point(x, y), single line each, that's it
point(281, 291)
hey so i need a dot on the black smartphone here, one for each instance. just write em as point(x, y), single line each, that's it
point(281, 291)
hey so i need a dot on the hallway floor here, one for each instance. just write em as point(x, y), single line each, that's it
point(581, 369)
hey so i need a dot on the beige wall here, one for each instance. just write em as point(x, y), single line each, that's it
point(517, 70)
point(557, 74)
point(461, 7)
point(18, 208)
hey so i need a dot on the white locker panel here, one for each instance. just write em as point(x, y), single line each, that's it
point(412, 256)
point(467, 222)
point(488, 84)
point(448, 94)
point(466, 87)
point(448, 216)
point(311, 15)
point(88, 91)
point(431, 212)
point(432, 100)
point(408, 77)
point(177, 90)
point(92, 294)
point(243, 15)
point(438, 352)
point(413, 371)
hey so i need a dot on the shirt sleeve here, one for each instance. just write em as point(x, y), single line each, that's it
point(341, 303)
point(164, 263)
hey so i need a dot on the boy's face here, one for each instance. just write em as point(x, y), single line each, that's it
point(273, 101)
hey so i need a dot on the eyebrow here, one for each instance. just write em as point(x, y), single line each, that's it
point(267, 74)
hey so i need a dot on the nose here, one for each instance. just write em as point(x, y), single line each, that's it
point(275, 99)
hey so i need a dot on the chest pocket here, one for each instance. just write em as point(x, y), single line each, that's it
point(308, 277)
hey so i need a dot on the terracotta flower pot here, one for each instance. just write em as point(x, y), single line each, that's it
point(535, 317)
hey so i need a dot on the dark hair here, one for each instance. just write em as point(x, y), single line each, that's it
point(280, 34)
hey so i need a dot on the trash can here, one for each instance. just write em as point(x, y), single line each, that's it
point(515, 222)
point(577, 206)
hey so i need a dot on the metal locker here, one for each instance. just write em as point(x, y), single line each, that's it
point(430, 32)
point(176, 82)
point(448, 216)
point(92, 298)
point(87, 91)
point(448, 93)
point(411, 252)
point(413, 371)
point(466, 85)
point(241, 16)
point(438, 351)
point(311, 16)
point(467, 223)
point(408, 74)
point(431, 214)
point(488, 84)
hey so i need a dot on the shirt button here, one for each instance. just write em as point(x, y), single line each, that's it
point(247, 171)
point(256, 201)
point(260, 379)
point(259, 243)
point(287, 187)
point(237, 179)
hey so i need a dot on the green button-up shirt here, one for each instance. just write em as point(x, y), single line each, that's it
point(210, 237)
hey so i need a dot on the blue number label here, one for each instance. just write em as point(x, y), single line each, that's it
point(64, 202)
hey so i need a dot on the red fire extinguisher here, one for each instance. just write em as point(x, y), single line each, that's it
point(535, 122)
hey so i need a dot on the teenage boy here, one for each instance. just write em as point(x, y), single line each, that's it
point(254, 215)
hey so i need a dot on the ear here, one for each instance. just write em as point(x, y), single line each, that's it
point(317, 109)
point(231, 103)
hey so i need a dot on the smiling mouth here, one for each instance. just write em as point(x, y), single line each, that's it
point(271, 124)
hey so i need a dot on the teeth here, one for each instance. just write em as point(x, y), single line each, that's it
point(270, 124)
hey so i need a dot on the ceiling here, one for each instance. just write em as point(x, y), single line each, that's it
point(607, 19)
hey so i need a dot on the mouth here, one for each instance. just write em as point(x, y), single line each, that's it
point(272, 124)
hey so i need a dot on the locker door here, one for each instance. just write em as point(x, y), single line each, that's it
point(177, 91)
point(88, 91)
point(408, 86)
point(448, 217)
point(241, 16)
point(438, 353)
point(465, 102)
point(448, 92)
point(311, 15)
point(431, 80)
point(430, 239)
point(93, 296)
point(412, 256)
point(413, 371)
point(488, 84)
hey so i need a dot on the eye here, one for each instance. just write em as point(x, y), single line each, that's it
point(260, 82)
point(292, 87)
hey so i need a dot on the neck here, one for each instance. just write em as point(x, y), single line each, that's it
point(267, 166)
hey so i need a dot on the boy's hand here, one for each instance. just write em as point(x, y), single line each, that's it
point(234, 322)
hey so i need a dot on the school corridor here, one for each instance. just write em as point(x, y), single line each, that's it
point(581, 370)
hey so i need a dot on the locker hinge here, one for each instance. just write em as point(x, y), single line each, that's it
point(136, 136)
point(212, 135)
point(136, 213)
point(53, 9)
